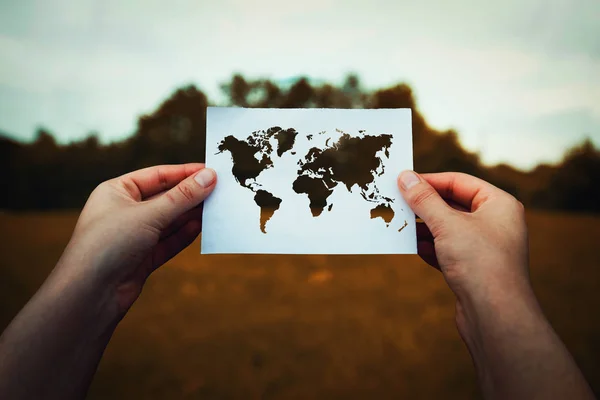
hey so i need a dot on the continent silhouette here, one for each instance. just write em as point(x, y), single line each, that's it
point(268, 205)
point(352, 160)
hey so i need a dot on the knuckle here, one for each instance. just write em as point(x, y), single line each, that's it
point(520, 212)
point(445, 226)
point(170, 196)
point(186, 191)
point(102, 187)
point(130, 188)
point(515, 205)
point(105, 184)
point(162, 178)
point(422, 197)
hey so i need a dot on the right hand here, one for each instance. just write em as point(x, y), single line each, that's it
point(474, 233)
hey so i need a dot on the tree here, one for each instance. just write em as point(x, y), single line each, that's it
point(44, 174)
point(574, 183)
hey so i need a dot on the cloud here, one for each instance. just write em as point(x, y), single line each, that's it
point(525, 141)
point(488, 70)
point(560, 27)
point(568, 123)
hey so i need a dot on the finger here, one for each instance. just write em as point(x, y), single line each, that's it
point(466, 190)
point(147, 182)
point(170, 246)
point(424, 200)
point(194, 213)
point(185, 196)
point(426, 251)
point(452, 204)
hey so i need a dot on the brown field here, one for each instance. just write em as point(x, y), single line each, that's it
point(306, 326)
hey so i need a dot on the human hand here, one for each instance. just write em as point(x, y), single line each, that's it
point(133, 224)
point(129, 226)
point(474, 233)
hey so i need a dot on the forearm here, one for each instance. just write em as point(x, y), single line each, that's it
point(516, 352)
point(53, 346)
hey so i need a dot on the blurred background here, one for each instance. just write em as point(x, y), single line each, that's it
point(508, 91)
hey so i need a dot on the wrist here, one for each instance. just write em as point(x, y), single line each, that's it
point(56, 340)
point(514, 349)
point(497, 308)
point(85, 263)
point(80, 285)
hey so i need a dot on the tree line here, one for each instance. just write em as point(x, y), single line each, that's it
point(46, 175)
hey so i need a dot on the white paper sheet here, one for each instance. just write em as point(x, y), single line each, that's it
point(250, 151)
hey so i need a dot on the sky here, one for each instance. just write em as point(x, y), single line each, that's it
point(518, 79)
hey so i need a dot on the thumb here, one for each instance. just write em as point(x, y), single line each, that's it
point(186, 195)
point(424, 200)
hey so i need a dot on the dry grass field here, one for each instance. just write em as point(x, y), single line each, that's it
point(254, 327)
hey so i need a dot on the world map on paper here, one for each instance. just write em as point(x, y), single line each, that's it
point(348, 161)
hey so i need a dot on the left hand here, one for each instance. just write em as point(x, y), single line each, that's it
point(133, 224)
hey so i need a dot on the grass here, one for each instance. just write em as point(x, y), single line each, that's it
point(251, 327)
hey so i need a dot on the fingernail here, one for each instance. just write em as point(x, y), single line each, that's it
point(408, 179)
point(205, 177)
